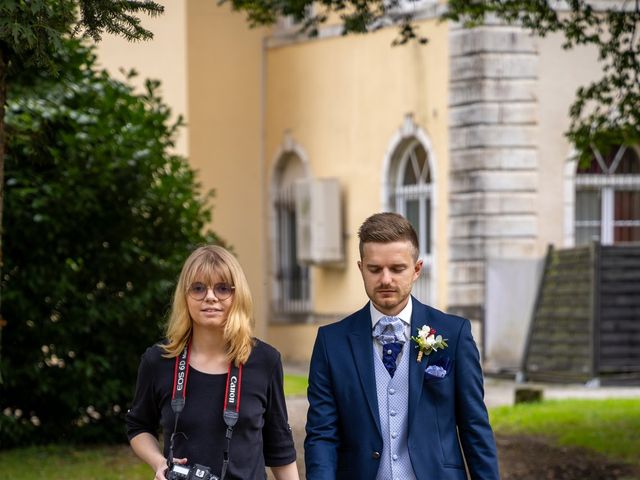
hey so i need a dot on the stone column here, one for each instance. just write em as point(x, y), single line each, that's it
point(493, 157)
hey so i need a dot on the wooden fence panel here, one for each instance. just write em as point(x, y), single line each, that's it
point(619, 312)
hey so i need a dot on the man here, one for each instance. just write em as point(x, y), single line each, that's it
point(379, 408)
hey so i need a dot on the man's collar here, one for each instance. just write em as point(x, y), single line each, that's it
point(404, 315)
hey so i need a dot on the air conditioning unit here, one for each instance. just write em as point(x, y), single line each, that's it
point(319, 221)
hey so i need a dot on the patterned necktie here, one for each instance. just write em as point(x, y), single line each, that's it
point(389, 332)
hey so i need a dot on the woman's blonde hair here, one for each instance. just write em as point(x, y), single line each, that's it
point(209, 264)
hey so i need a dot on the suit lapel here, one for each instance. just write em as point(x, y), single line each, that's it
point(419, 317)
point(362, 350)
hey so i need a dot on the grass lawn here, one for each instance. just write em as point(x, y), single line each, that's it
point(295, 385)
point(611, 427)
point(57, 462)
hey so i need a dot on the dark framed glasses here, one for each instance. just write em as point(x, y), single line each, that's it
point(222, 290)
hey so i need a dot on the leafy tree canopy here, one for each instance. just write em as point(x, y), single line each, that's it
point(100, 217)
point(605, 113)
point(31, 30)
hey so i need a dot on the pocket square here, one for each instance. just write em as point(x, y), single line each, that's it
point(438, 369)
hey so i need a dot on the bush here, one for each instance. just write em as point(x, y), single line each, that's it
point(99, 217)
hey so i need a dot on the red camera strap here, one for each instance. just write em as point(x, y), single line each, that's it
point(231, 409)
point(180, 375)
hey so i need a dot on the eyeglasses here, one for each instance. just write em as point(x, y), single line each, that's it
point(222, 291)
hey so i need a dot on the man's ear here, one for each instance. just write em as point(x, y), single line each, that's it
point(418, 268)
point(360, 265)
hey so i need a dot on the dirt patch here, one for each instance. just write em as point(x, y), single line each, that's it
point(534, 458)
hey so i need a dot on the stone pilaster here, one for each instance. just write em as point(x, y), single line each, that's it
point(493, 155)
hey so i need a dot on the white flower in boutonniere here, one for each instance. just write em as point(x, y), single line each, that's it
point(428, 342)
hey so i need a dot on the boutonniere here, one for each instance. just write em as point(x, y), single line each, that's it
point(428, 342)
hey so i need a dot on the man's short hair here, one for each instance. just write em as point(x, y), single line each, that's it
point(387, 227)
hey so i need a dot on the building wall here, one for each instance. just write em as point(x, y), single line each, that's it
point(557, 74)
point(342, 99)
point(493, 157)
point(561, 73)
point(492, 103)
point(211, 68)
point(225, 82)
point(162, 58)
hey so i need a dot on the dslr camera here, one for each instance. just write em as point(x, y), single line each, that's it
point(186, 472)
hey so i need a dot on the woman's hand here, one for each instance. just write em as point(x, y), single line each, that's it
point(160, 471)
point(147, 448)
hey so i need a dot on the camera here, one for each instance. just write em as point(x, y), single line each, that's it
point(186, 472)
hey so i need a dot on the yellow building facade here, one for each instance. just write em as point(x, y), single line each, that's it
point(340, 107)
point(302, 139)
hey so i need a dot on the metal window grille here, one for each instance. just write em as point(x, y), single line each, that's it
point(292, 289)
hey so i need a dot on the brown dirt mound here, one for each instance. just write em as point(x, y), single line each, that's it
point(534, 458)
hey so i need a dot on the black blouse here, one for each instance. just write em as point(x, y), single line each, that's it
point(261, 437)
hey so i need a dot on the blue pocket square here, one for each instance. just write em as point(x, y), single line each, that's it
point(438, 369)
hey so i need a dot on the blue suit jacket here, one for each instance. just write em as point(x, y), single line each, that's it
point(344, 440)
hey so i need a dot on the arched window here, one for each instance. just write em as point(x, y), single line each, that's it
point(291, 289)
point(607, 199)
point(411, 194)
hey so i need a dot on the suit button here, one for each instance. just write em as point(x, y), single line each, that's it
point(375, 455)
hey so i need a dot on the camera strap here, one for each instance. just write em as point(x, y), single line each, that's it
point(231, 409)
point(179, 396)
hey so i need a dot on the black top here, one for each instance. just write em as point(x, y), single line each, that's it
point(262, 435)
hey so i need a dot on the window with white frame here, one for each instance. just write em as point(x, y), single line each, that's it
point(607, 199)
point(412, 196)
point(291, 290)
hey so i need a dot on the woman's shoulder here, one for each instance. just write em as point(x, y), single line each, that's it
point(264, 353)
point(154, 355)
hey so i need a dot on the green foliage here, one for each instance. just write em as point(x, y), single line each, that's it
point(357, 16)
point(607, 426)
point(99, 218)
point(118, 18)
point(31, 31)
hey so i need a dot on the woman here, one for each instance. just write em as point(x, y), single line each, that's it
point(210, 330)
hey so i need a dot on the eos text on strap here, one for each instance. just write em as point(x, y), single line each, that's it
point(230, 415)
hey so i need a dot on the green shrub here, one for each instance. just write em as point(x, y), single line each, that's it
point(99, 216)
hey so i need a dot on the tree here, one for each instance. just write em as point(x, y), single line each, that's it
point(31, 31)
point(100, 217)
point(605, 113)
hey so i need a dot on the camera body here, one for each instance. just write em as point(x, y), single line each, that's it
point(193, 472)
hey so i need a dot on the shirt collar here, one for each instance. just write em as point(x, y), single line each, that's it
point(404, 315)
